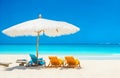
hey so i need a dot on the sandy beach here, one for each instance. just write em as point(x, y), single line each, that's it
point(90, 69)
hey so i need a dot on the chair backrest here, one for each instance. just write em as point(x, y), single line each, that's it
point(54, 60)
point(70, 60)
point(34, 58)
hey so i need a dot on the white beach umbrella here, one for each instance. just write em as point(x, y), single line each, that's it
point(39, 27)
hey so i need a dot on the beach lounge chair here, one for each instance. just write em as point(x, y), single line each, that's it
point(55, 62)
point(70, 61)
point(21, 62)
point(35, 61)
point(5, 64)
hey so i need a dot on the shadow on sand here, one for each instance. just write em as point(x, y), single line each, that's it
point(67, 68)
point(24, 68)
point(36, 68)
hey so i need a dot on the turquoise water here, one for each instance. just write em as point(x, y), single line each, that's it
point(62, 49)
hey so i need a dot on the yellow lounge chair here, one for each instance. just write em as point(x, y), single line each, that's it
point(55, 62)
point(70, 61)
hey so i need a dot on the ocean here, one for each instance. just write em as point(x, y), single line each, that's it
point(85, 52)
point(62, 49)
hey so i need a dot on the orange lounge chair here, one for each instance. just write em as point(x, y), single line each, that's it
point(55, 62)
point(70, 61)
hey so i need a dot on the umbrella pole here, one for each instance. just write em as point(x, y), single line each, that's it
point(37, 44)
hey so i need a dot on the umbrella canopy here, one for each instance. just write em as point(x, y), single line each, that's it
point(41, 26)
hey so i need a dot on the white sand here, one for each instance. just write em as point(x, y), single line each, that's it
point(90, 69)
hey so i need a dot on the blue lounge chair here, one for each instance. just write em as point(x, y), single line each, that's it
point(35, 61)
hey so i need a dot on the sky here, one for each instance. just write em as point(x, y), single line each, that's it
point(99, 20)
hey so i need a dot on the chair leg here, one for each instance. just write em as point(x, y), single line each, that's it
point(79, 65)
point(48, 65)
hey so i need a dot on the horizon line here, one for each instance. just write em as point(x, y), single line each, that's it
point(58, 44)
